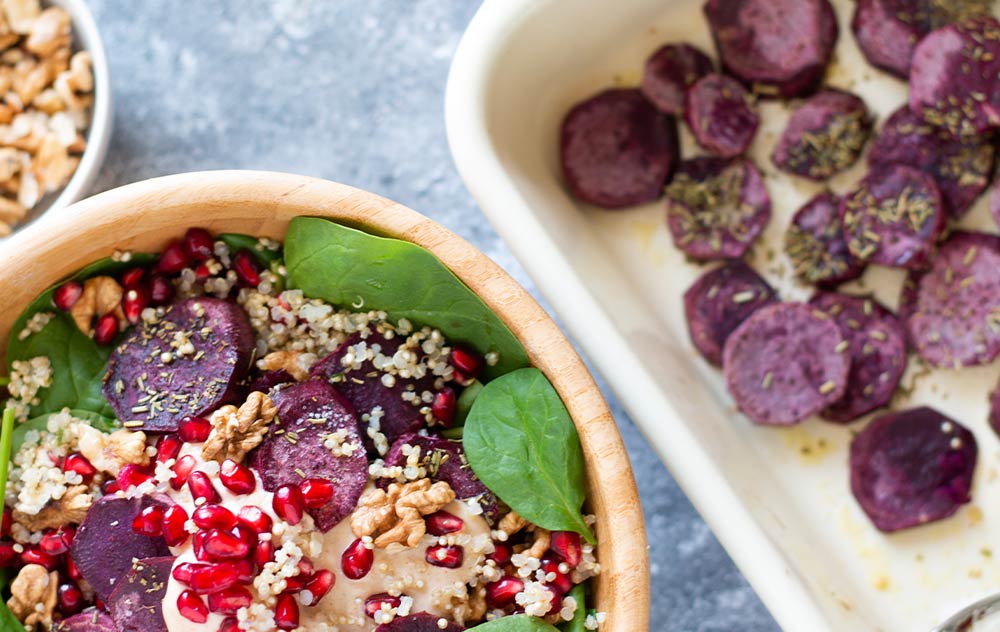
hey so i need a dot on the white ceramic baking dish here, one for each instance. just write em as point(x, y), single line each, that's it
point(777, 499)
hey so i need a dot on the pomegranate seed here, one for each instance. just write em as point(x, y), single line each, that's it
point(295, 585)
point(149, 521)
point(202, 272)
point(71, 569)
point(306, 567)
point(445, 556)
point(443, 407)
point(110, 486)
point(173, 259)
point(230, 624)
point(381, 601)
point(319, 585)
point(182, 470)
point(199, 545)
point(230, 600)
point(246, 267)
point(9, 558)
point(461, 378)
point(561, 582)
point(7, 522)
point(220, 546)
point(134, 300)
point(160, 290)
point(174, 529)
point(255, 518)
point(191, 607)
point(286, 612)
point(194, 429)
point(198, 243)
point(501, 593)
point(168, 448)
point(245, 571)
point(443, 523)
point(566, 544)
point(467, 361)
point(501, 554)
point(246, 535)
point(132, 475)
point(106, 329)
point(209, 578)
point(201, 487)
point(289, 504)
point(316, 492)
point(213, 517)
point(264, 553)
point(40, 557)
point(67, 294)
point(237, 478)
point(70, 599)
point(57, 542)
point(356, 560)
point(185, 571)
point(132, 277)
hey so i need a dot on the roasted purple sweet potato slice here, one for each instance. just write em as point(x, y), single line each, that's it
point(953, 78)
point(781, 47)
point(90, 620)
point(719, 301)
point(876, 343)
point(782, 364)
point(136, 604)
point(961, 167)
point(668, 73)
point(716, 207)
point(316, 437)
point(151, 379)
point(952, 310)
point(617, 149)
point(912, 467)
point(720, 114)
point(893, 217)
point(824, 136)
point(445, 461)
point(814, 242)
point(419, 622)
point(105, 544)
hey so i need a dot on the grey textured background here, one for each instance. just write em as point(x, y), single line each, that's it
point(352, 90)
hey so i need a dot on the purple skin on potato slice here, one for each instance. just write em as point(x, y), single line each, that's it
point(105, 545)
point(824, 136)
point(141, 386)
point(780, 47)
point(961, 167)
point(953, 78)
point(782, 365)
point(294, 450)
point(719, 301)
point(912, 467)
point(617, 149)
point(876, 343)
point(716, 207)
point(418, 622)
point(136, 604)
point(814, 242)
point(90, 620)
point(719, 112)
point(893, 217)
point(952, 310)
point(669, 72)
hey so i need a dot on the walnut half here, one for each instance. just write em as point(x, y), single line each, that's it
point(70, 509)
point(33, 596)
point(396, 514)
point(236, 431)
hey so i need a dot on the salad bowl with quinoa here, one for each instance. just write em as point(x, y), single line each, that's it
point(254, 401)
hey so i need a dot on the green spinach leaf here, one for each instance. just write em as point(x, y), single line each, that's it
point(238, 241)
point(6, 449)
point(8, 622)
point(521, 442)
point(579, 593)
point(465, 401)
point(516, 623)
point(102, 423)
point(348, 268)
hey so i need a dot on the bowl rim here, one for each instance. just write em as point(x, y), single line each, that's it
point(145, 214)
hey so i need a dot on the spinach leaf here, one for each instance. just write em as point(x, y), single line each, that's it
point(351, 268)
point(78, 363)
point(465, 401)
point(8, 622)
point(516, 623)
point(579, 592)
point(521, 442)
point(6, 449)
point(237, 241)
point(102, 423)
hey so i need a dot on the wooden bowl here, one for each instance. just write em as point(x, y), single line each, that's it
point(145, 215)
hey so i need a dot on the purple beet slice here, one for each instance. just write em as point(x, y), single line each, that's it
point(136, 604)
point(719, 301)
point(148, 379)
point(912, 467)
point(876, 343)
point(105, 544)
point(824, 136)
point(294, 449)
point(668, 73)
point(953, 79)
point(781, 47)
point(716, 207)
point(814, 242)
point(782, 365)
point(961, 167)
point(995, 410)
point(419, 622)
point(893, 217)
point(445, 460)
point(617, 149)
point(90, 620)
point(267, 380)
point(952, 310)
point(719, 112)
